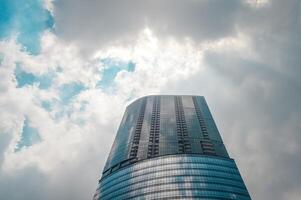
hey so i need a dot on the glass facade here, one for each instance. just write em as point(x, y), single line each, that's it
point(169, 147)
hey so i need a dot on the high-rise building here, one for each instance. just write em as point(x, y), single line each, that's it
point(169, 147)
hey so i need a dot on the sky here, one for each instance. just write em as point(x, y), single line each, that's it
point(69, 68)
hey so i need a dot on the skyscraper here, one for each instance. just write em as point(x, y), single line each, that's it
point(169, 147)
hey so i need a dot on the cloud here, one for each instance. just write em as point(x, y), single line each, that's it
point(95, 24)
point(78, 114)
point(30, 179)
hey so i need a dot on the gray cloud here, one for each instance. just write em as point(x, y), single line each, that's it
point(4, 142)
point(28, 184)
point(263, 107)
point(94, 24)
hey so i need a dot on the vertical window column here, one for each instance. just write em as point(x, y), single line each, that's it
point(136, 139)
point(206, 143)
point(153, 145)
point(183, 140)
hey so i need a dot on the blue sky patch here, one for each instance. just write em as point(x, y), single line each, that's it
point(26, 78)
point(111, 68)
point(68, 91)
point(46, 105)
point(29, 136)
point(26, 19)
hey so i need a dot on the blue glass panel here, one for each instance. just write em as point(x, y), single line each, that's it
point(175, 176)
point(121, 147)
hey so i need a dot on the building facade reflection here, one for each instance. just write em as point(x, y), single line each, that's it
point(169, 147)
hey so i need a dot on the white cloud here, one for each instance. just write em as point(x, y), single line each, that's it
point(77, 135)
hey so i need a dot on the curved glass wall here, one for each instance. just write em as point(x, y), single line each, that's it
point(168, 146)
point(175, 177)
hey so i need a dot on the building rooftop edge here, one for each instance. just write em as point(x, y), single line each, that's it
point(162, 95)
